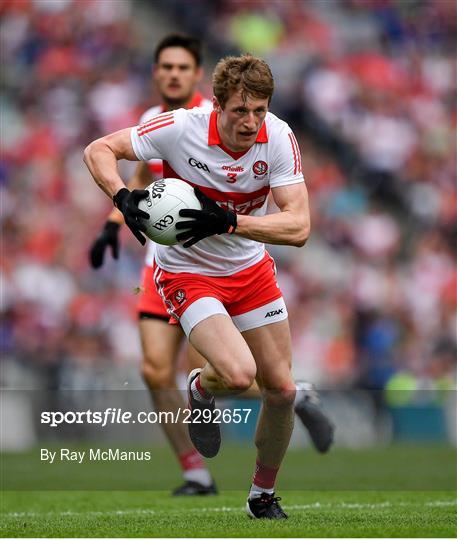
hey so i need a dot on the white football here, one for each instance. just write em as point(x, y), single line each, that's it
point(166, 198)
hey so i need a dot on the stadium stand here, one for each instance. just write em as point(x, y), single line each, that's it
point(369, 87)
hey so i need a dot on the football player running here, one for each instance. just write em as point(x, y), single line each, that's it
point(225, 279)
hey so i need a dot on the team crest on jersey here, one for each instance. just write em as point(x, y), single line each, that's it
point(260, 168)
point(180, 296)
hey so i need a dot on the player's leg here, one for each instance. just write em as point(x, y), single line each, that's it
point(196, 302)
point(216, 381)
point(260, 284)
point(271, 348)
point(196, 360)
point(308, 409)
point(307, 405)
point(230, 369)
point(161, 344)
point(260, 314)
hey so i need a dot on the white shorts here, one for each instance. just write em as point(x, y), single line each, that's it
point(205, 307)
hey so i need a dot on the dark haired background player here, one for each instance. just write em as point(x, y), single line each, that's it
point(177, 72)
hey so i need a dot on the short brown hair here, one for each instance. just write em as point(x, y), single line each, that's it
point(247, 73)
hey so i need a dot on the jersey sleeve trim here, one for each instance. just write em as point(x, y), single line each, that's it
point(135, 146)
point(278, 182)
point(157, 138)
point(162, 120)
point(296, 153)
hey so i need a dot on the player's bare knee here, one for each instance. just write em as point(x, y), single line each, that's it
point(279, 397)
point(240, 379)
point(156, 378)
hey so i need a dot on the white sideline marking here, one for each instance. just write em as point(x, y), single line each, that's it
point(441, 503)
point(149, 512)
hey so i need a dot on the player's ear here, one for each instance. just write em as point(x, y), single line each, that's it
point(216, 105)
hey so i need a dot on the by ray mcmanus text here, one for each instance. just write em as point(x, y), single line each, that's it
point(92, 454)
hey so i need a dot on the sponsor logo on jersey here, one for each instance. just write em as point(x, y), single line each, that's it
point(180, 296)
point(260, 168)
point(243, 207)
point(163, 223)
point(274, 312)
point(236, 169)
point(239, 202)
point(194, 163)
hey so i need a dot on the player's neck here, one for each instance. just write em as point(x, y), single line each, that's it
point(174, 105)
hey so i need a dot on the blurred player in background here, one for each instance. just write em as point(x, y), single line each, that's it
point(177, 72)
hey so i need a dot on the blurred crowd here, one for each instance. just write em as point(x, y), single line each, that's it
point(374, 293)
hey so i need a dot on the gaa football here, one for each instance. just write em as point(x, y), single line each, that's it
point(166, 198)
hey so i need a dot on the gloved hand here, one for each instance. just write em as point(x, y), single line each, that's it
point(127, 202)
point(211, 219)
point(108, 237)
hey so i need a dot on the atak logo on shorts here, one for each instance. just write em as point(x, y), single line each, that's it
point(180, 296)
point(194, 163)
point(163, 223)
point(274, 312)
point(260, 168)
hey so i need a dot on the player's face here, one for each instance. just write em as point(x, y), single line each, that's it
point(240, 120)
point(176, 75)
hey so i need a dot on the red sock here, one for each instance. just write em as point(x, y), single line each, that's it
point(264, 477)
point(191, 460)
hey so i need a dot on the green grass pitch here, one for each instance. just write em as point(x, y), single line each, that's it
point(397, 491)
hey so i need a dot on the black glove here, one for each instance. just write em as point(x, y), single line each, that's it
point(108, 237)
point(211, 219)
point(127, 202)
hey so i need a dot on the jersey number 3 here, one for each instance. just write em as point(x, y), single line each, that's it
point(231, 177)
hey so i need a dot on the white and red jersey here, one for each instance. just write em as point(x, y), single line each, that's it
point(190, 145)
point(156, 165)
